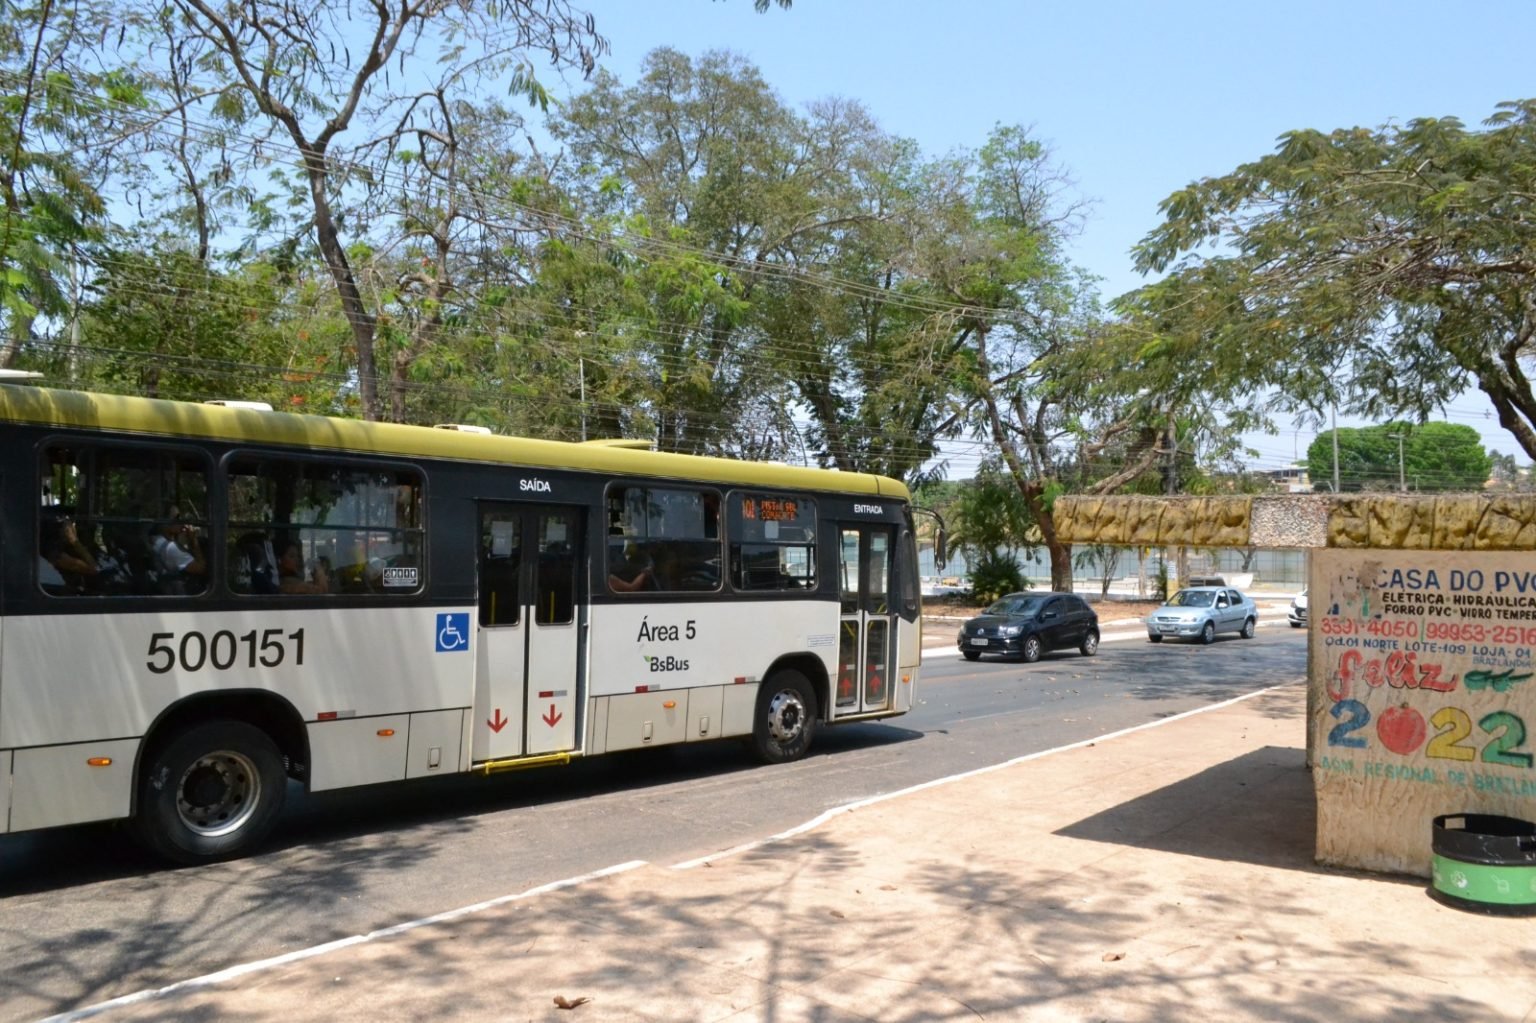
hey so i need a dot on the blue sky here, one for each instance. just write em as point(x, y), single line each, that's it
point(1137, 99)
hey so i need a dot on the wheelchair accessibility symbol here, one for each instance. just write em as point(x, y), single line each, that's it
point(452, 631)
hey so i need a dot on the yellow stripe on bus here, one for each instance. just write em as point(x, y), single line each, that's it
point(158, 417)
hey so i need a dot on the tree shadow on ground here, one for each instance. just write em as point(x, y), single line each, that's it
point(1259, 808)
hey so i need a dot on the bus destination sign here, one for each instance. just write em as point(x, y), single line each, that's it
point(769, 509)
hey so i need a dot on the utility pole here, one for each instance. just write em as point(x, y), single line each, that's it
point(1171, 488)
point(1333, 422)
point(1401, 484)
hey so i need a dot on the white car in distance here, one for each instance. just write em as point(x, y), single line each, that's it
point(1297, 615)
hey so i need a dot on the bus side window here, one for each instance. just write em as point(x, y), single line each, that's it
point(311, 527)
point(772, 542)
point(663, 539)
point(110, 515)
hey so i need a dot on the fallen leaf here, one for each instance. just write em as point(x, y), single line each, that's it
point(887, 888)
point(838, 913)
point(1113, 957)
point(562, 1002)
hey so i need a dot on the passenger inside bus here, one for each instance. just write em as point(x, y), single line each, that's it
point(65, 564)
point(291, 577)
point(179, 564)
point(633, 573)
point(255, 565)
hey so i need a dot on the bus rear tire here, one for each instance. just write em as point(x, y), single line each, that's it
point(210, 793)
point(785, 721)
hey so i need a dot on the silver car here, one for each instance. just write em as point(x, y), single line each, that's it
point(1200, 612)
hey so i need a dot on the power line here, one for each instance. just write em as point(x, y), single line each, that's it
point(258, 148)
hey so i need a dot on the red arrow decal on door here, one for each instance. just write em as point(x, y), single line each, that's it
point(498, 722)
point(552, 717)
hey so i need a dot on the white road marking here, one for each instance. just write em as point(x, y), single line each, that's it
point(211, 979)
point(827, 815)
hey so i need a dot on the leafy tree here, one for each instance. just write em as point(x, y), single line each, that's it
point(56, 119)
point(286, 68)
point(1434, 457)
point(853, 326)
point(1102, 559)
point(814, 295)
point(163, 324)
point(1037, 373)
point(1386, 268)
point(803, 220)
point(691, 168)
point(987, 516)
point(990, 527)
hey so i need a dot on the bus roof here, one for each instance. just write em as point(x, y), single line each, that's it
point(126, 414)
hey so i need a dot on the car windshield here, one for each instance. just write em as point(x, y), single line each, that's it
point(1193, 598)
point(1015, 605)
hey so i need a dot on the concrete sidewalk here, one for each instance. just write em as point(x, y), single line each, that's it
point(1163, 873)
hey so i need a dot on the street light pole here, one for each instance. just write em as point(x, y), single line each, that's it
point(1401, 485)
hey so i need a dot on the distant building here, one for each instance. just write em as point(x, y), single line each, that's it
point(1293, 479)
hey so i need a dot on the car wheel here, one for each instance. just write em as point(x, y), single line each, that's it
point(1032, 649)
point(1153, 637)
point(210, 793)
point(971, 655)
point(1248, 628)
point(1208, 634)
point(786, 718)
point(1090, 643)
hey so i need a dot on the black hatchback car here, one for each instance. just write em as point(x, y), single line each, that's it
point(1026, 625)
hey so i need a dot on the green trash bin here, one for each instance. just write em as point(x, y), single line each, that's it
point(1484, 863)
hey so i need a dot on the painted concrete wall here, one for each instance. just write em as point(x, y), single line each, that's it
point(1421, 671)
point(1422, 685)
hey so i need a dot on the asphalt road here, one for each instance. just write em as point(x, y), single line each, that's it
point(85, 916)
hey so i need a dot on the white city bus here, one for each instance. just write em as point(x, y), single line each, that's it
point(198, 602)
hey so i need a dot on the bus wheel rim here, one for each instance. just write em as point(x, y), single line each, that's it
point(218, 793)
point(786, 716)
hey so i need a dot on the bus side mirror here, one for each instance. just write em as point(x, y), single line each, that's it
point(940, 537)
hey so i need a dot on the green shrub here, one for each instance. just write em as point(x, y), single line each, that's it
point(996, 573)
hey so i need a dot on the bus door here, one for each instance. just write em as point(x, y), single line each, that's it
point(531, 593)
point(2, 584)
point(866, 638)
